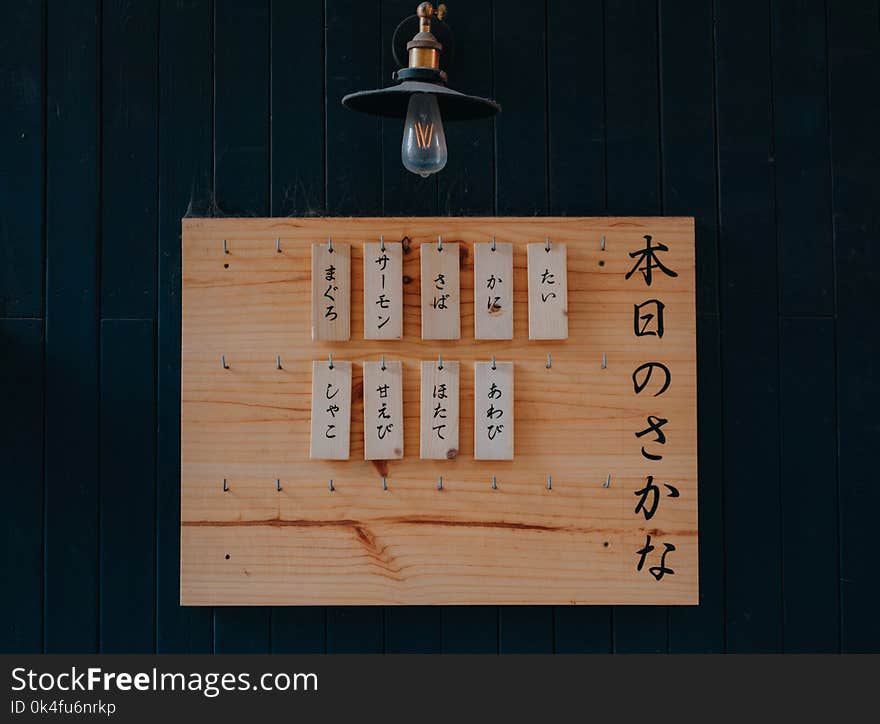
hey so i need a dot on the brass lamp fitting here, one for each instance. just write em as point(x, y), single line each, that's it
point(424, 49)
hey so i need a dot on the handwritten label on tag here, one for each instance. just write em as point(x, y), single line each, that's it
point(548, 291)
point(493, 291)
point(331, 410)
point(331, 292)
point(383, 411)
point(438, 439)
point(493, 411)
point(383, 291)
point(441, 295)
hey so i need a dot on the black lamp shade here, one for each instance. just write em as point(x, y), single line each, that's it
point(392, 102)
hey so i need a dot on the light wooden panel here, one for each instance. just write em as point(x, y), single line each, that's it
point(412, 543)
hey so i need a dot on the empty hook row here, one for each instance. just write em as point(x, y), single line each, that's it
point(494, 483)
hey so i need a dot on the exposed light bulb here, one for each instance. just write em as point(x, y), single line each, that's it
point(424, 143)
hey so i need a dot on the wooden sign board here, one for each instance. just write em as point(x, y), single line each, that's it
point(598, 504)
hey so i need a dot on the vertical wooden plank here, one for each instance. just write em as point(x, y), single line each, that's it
point(802, 158)
point(520, 55)
point(297, 115)
point(467, 187)
point(185, 150)
point(854, 65)
point(633, 177)
point(353, 154)
point(297, 186)
point(383, 410)
point(241, 107)
point(439, 411)
point(71, 452)
point(410, 629)
point(687, 104)
point(21, 516)
point(331, 291)
point(810, 550)
point(129, 158)
point(21, 161)
point(352, 63)
point(440, 290)
point(241, 186)
point(128, 487)
point(576, 128)
point(521, 188)
point(576, 106)
point(750, 337)
point(493, 290)
point(466, 184)
point(331, 410)
point(383, 290)
point(809, 486)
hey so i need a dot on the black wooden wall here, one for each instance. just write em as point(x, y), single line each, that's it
point(759, 117)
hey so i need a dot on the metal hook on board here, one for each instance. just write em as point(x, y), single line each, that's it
point(494, 483)
point(330, 360)
point(440, 483)
point(225, 485)
point(603, 243)
point(278, 484)
point(225, 248)
point(331, 485)
point(384, 483)
point(607, 481)
point(604, 361)
point(549, 482)
point(278, 245)
point(382, 243)
point(223, 362)
point(547, 244)
point(330, 244)
point(383, 362)
point(439, 242)
point(549, 361)
point(494, 367)
point(494, 246)
point(277, 361)
point(439, 361)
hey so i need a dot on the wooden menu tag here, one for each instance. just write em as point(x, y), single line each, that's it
point(383, 411)
point(331, 410)
point(331, 292)
point(383, 291)
point(548, 291)
point(493, 411)
point(441, 297)
point(493, 291)
point(438, 439)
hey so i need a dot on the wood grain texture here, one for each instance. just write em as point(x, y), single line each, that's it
point(415, 544)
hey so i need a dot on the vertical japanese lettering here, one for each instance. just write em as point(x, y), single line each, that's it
point(440, 293)
point(331, 292)
point(438, 439)
point(493, 291)
point(383, 291)
point(493, 411)
point(331, 410)
point(383, 411)
point(548, 291)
